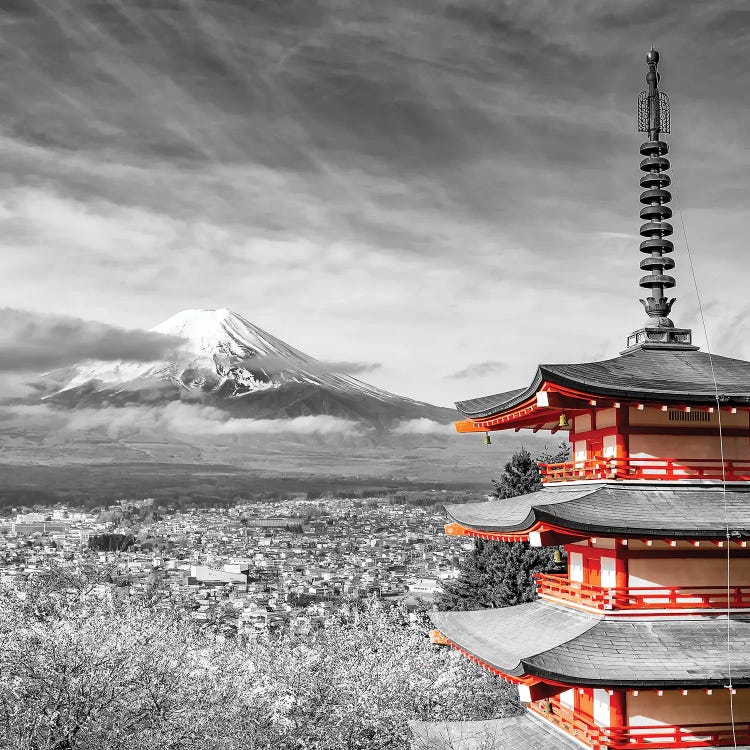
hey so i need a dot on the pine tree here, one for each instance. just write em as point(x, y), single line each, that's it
point(521, 476)
point(501, 574)
point(495, 574)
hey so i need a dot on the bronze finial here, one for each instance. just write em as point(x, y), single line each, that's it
point(653, 118)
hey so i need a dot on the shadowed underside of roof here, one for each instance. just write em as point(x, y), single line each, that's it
point(616, 509)
point(648, 374)
point(553, 642)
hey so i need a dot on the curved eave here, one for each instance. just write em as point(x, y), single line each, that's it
point(664, 377)
point(556, 644)
point(500, 639)
point(614, 509)
point(490, 406)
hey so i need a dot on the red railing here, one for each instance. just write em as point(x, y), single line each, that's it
point(640, 737)
point(646, 468)
point(642, 597)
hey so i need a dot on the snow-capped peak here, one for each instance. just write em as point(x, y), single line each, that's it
point(225, 332)
point(222, 353)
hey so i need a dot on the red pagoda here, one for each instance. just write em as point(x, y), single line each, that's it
point(645, 641)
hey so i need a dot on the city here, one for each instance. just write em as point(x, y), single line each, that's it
point(248, 568)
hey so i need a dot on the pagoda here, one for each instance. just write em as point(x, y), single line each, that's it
point(644, 641)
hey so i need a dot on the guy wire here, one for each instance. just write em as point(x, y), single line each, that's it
point(723, 463)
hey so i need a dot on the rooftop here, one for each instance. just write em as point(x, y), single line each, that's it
point(663, 375)
point(616, 508)
point(511, 732)
point(558, 643)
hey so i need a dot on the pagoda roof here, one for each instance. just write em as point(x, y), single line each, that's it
point(508, 733)
point(664, 375)
point(557, 643)
point(617, 508)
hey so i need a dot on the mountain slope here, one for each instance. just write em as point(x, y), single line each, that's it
point(228, 362)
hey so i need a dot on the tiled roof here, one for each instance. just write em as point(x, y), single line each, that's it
point(559, 643)
point(616, 508)
point(503, 637)
point(648, 374)
point(524, 732)
point(509, 733)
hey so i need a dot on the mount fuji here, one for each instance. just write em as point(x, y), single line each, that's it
point(223, 360)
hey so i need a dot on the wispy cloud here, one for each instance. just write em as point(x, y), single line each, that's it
point(32, 341)
point(479, 369)
point(270, 364)
point(619, 236)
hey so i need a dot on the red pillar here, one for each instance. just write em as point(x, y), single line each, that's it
point(617, 709)
point(584, 704)
point(618, 716)
point(621, 564)
point(621, 437)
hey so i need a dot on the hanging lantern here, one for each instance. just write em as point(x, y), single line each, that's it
point(564, 421)
point(487, 439)
point(557, 557)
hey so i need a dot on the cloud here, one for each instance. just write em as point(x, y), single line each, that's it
point(274, 364)
point(422, 426)
point(478, 369)
point(32, 341)
point(176, 418)
point(351, 368)
point(619, 236)
point(373, 183)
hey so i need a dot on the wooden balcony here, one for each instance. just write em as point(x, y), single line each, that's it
point(642, 598)
point(634, 737)
point(650, 469)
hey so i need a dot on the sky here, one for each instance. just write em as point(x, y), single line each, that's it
point(444, 190)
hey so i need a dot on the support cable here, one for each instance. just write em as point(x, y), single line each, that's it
point(717, 398)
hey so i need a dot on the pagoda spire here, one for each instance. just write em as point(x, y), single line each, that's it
point(653, 118)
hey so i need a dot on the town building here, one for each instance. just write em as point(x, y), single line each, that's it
point(644, 642)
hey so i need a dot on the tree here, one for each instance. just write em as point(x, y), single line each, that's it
point(95, 674)
point(496, 574)
point(501, 574)
point(520, 476)
point(111, 542)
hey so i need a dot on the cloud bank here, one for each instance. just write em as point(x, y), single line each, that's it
point(422, 426)
point(178, 419)
point(31, 341)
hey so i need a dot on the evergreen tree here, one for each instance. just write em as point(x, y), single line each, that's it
point(501, 574)
point(521, 476)
point(495, 574)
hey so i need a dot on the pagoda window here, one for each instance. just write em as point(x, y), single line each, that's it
point(580, 451)
point(608, 577)
point(609, 446)
point(601, 708)
point(575, 566)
